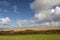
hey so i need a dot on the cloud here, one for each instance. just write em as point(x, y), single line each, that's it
point(48, 16)
point(0, 10)
point(45, 12)
point(44, 4)
point(21, 22)
point(14, 8)
point(4, 21)
point(56, 14)
point(41, 15)
point(5, 10)
point(0, 3)
point(5, 3)
point(52, 11)
point(57, 10)
point(25, 23)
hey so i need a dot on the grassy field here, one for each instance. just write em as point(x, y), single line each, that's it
point(31, 37)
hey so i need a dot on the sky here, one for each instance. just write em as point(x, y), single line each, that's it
point(28, 13)
point(15, 10)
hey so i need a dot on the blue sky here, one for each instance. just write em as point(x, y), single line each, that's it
point(23, 10)
point(16, 9)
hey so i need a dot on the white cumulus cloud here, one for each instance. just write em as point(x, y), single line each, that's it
point(5, 20)
point(44, 4)
point(44, 10)
point(57, 10)
point(25, 23)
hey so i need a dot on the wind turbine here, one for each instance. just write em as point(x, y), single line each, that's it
point(52, 16)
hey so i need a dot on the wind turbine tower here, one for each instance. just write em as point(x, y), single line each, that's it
point(52, 17)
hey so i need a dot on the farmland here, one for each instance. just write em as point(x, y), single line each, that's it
point(33, 28)
point(30, 34)
point(31, 37)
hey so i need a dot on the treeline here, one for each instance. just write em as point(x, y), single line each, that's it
point(29, 32)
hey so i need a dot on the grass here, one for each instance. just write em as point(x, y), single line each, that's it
point(31, 37)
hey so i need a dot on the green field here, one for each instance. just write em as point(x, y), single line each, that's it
point(31, 37)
